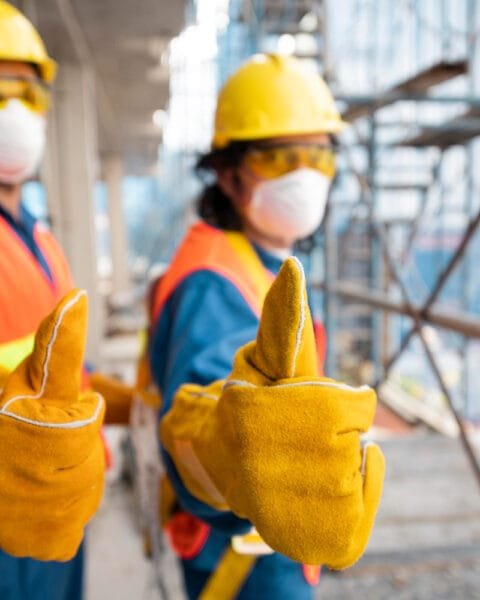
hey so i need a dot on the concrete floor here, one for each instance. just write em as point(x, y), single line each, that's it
point(425, 546)
point(426, 541)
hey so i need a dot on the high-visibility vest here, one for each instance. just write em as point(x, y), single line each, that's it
point(27, 295)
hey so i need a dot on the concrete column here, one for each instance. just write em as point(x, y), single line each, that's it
point(69, 174)
point(113, 171)
point(29, 9)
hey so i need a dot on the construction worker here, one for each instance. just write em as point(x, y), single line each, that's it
point(258, 450)
point(34, 273)
point(34, 277)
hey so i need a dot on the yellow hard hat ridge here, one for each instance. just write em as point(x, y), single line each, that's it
point(273, 95)
point(20, 41)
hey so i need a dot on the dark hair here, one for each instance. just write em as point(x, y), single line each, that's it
point(213, 205)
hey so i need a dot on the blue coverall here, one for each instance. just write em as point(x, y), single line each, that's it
point(25, 578)
point(200, 328)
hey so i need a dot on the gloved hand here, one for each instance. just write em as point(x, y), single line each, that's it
point(4, 373)
point(118, 397)
point(145, 389)
point(279, 445)
point(52, 459)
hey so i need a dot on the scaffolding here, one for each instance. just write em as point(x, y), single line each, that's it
point(395, 261)
point(426, 124)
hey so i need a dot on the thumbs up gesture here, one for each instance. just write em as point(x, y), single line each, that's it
point(52, 461)
point(280, 445)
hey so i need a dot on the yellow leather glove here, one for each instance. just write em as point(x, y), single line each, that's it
point(118, 397)
point(52, 459)
point(279, 445)
point(145, 389)
point(4, 373)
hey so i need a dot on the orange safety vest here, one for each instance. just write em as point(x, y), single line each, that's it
point(231, 255)
point(26, 293)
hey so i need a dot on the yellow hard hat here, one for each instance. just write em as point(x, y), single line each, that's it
point(273, 95)
point(20, 41)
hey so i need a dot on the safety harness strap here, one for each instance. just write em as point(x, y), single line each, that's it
point(228, 578)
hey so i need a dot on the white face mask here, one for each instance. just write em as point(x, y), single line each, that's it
point(290, 207)
point(22, 140)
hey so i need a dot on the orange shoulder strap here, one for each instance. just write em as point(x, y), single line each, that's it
point(226, 253)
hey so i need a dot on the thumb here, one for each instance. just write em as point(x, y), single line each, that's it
point(285, 344)
point(53, 370)
point(373, 472)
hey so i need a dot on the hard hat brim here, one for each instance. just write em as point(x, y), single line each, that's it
point(330, 128)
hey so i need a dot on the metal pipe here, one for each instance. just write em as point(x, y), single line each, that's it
point(330, 274)
point(431, 359)
point(375, 101)
point(470, 230)
point(457, 322)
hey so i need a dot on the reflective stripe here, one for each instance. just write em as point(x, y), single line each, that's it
point(12, 353)
point(260, 278)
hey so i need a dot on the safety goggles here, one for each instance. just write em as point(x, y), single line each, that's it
point(269, 162)
point(33, 92)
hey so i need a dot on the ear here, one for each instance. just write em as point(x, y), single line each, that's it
point(234, 183)
point(229, 182)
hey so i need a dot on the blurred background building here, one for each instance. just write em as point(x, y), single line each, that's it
point(395, 268)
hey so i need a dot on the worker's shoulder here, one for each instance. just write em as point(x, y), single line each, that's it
point(206, 278)
point(208, 287)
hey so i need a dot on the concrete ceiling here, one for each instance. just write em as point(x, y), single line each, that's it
point(124, 42)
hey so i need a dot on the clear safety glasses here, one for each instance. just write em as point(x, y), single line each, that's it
point(33, 92)
point(269, 162)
